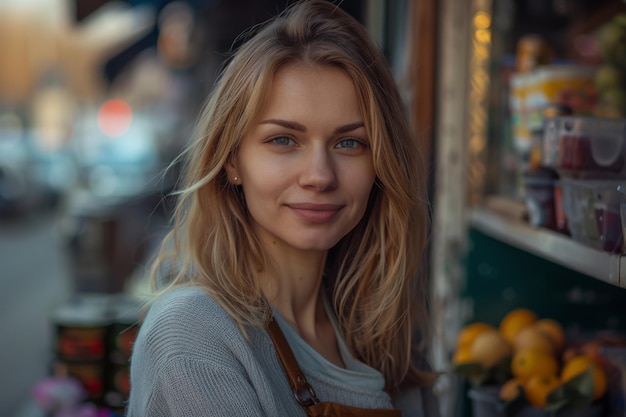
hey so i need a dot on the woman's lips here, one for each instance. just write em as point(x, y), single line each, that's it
point(315, 213)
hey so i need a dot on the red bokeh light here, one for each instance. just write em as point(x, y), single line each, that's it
point(114, 117)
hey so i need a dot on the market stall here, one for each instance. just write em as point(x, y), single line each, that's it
point(529, 188)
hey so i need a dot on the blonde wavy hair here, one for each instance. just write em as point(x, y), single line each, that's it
point(372, 274)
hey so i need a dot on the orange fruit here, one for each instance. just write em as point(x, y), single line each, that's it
point(468, 333)
point(531, 362)
point(538, 387)
point(510, 389)
point(554, 331)
point(489, 348)
point(532, 338)
point(516, 320)
point(462, 355)
point(581, 363)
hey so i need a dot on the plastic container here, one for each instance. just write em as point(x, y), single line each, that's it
point(585, 147)
point(608, 220)
point(532, 51)
point(554, 84)
point(622, 210)
point(539, 197)
point(485, 403)
point(550, 141)
point(517, 106)
point(616, 371)
point(573, 208)
point(592, 209)
point(559, 212)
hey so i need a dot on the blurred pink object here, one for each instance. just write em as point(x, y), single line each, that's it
point(57, 394)
point(82, 410)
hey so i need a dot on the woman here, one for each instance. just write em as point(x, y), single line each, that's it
point(292, 264)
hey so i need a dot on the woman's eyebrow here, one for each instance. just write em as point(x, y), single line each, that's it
point(285, 123)
point(297, 126)
point(349, 127)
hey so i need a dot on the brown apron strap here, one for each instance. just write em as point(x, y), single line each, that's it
point(304, 393)
point(325, 409)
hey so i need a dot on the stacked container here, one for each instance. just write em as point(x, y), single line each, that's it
point(124, 328)
point(589, 154)
point(94, 338)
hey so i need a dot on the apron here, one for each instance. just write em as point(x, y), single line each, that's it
point(305, 394)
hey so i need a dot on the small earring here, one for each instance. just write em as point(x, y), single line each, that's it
point(236, 179)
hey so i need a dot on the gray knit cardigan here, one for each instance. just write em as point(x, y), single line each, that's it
point(191, 360)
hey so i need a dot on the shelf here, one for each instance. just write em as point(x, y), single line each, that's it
point(557, 248)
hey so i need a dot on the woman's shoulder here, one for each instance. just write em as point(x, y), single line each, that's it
point(186, 301)
point(184, 319)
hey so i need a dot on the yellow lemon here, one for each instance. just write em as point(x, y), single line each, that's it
point(538, 387)
point(581, 363)
point(554, 331)
point(468, 333)
point(531, 362)
point(489, 348)
point(516, 320)
point(462, 355)
point(532, 338)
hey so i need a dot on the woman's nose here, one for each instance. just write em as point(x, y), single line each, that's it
point(318, 170)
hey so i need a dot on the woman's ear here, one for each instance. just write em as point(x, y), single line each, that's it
point(231, 171)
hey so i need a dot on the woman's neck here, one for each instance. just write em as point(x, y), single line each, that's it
point(291, 283)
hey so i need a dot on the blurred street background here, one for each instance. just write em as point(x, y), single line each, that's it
point(35, 278)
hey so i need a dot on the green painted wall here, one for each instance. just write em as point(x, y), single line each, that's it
point(501, 278)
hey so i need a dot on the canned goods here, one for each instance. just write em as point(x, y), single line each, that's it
point(82, 326)
point(125, 313)
point(95, 335)
point(532, 51)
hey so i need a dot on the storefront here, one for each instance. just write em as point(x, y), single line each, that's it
point(499, 238)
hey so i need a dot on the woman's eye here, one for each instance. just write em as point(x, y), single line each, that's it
point(282, 140)
point(350, 144)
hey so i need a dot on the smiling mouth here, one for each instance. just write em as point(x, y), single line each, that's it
point(315, 213)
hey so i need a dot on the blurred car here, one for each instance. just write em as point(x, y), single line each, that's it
point(31, 179)
point(17, 193)
point(14, 193)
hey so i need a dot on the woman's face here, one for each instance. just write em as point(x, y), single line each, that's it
point(305, 166)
